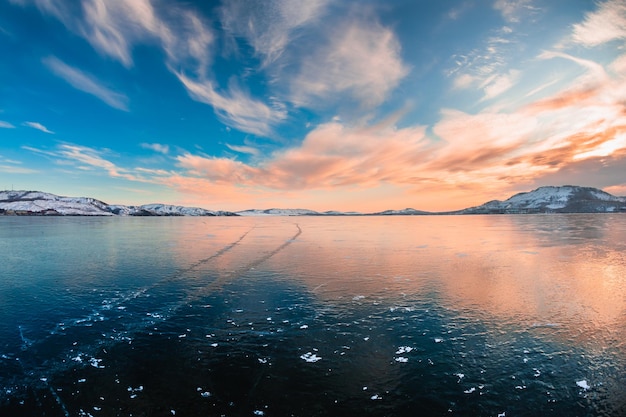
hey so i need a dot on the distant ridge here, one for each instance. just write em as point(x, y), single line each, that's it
point(40, 203)
point(563, 199)
point(550, 199)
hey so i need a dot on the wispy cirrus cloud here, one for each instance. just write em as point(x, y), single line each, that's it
point(86, 83)
point(270, 27)
point(605, 24)
point(38, 126)
point(514, 10)
point(187, 41)
point(343, 64)
point(499, 84)
point(6, 125)
point(115, 28)
point(244, 149)
point(157, 147)
point(235, 107)
point(15, 169)
point(487, 67)
point(86, 158)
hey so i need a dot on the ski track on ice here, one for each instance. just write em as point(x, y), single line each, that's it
point(31, 365)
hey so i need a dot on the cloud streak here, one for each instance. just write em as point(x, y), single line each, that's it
point(6, 125)
point(38, 126)
point(234, 107)
point(86, 83)
point(157, 147)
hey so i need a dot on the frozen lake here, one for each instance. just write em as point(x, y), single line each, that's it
point(313, 316)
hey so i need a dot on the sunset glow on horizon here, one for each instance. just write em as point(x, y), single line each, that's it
point(325, 105)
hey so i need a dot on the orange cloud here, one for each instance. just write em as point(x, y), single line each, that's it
point(473, 157)
point(463, 159)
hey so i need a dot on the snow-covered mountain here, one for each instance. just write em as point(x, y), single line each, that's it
point(40, 203)
point(36, 202)
point(279, 212)
point(564, 199)
point(404, 212)
point(165, 210)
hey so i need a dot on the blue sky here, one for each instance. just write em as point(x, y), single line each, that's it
point(342, 105)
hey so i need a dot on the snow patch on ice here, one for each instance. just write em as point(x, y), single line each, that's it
point(310, 357)
point(583, 384)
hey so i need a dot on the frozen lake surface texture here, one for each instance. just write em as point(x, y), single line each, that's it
point(308, 316)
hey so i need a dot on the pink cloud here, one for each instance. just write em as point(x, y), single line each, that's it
point(472, 157)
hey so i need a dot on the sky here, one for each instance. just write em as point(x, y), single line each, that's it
point(326, 105)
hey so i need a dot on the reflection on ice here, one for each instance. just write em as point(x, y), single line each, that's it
point(316, 318)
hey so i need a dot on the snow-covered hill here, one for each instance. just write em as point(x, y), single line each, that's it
point(31, 202)
point(40, 203)
point(564, 199)
point(404, 212)
point(279, 212)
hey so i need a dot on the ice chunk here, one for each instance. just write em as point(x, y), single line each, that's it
point(402, 359)
point(376, 397)
point(583, 384)
point(469, 391)
point(403, 349)
point(310, 357)
point(95, 363)
point(258, 413)
point(438, 340)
